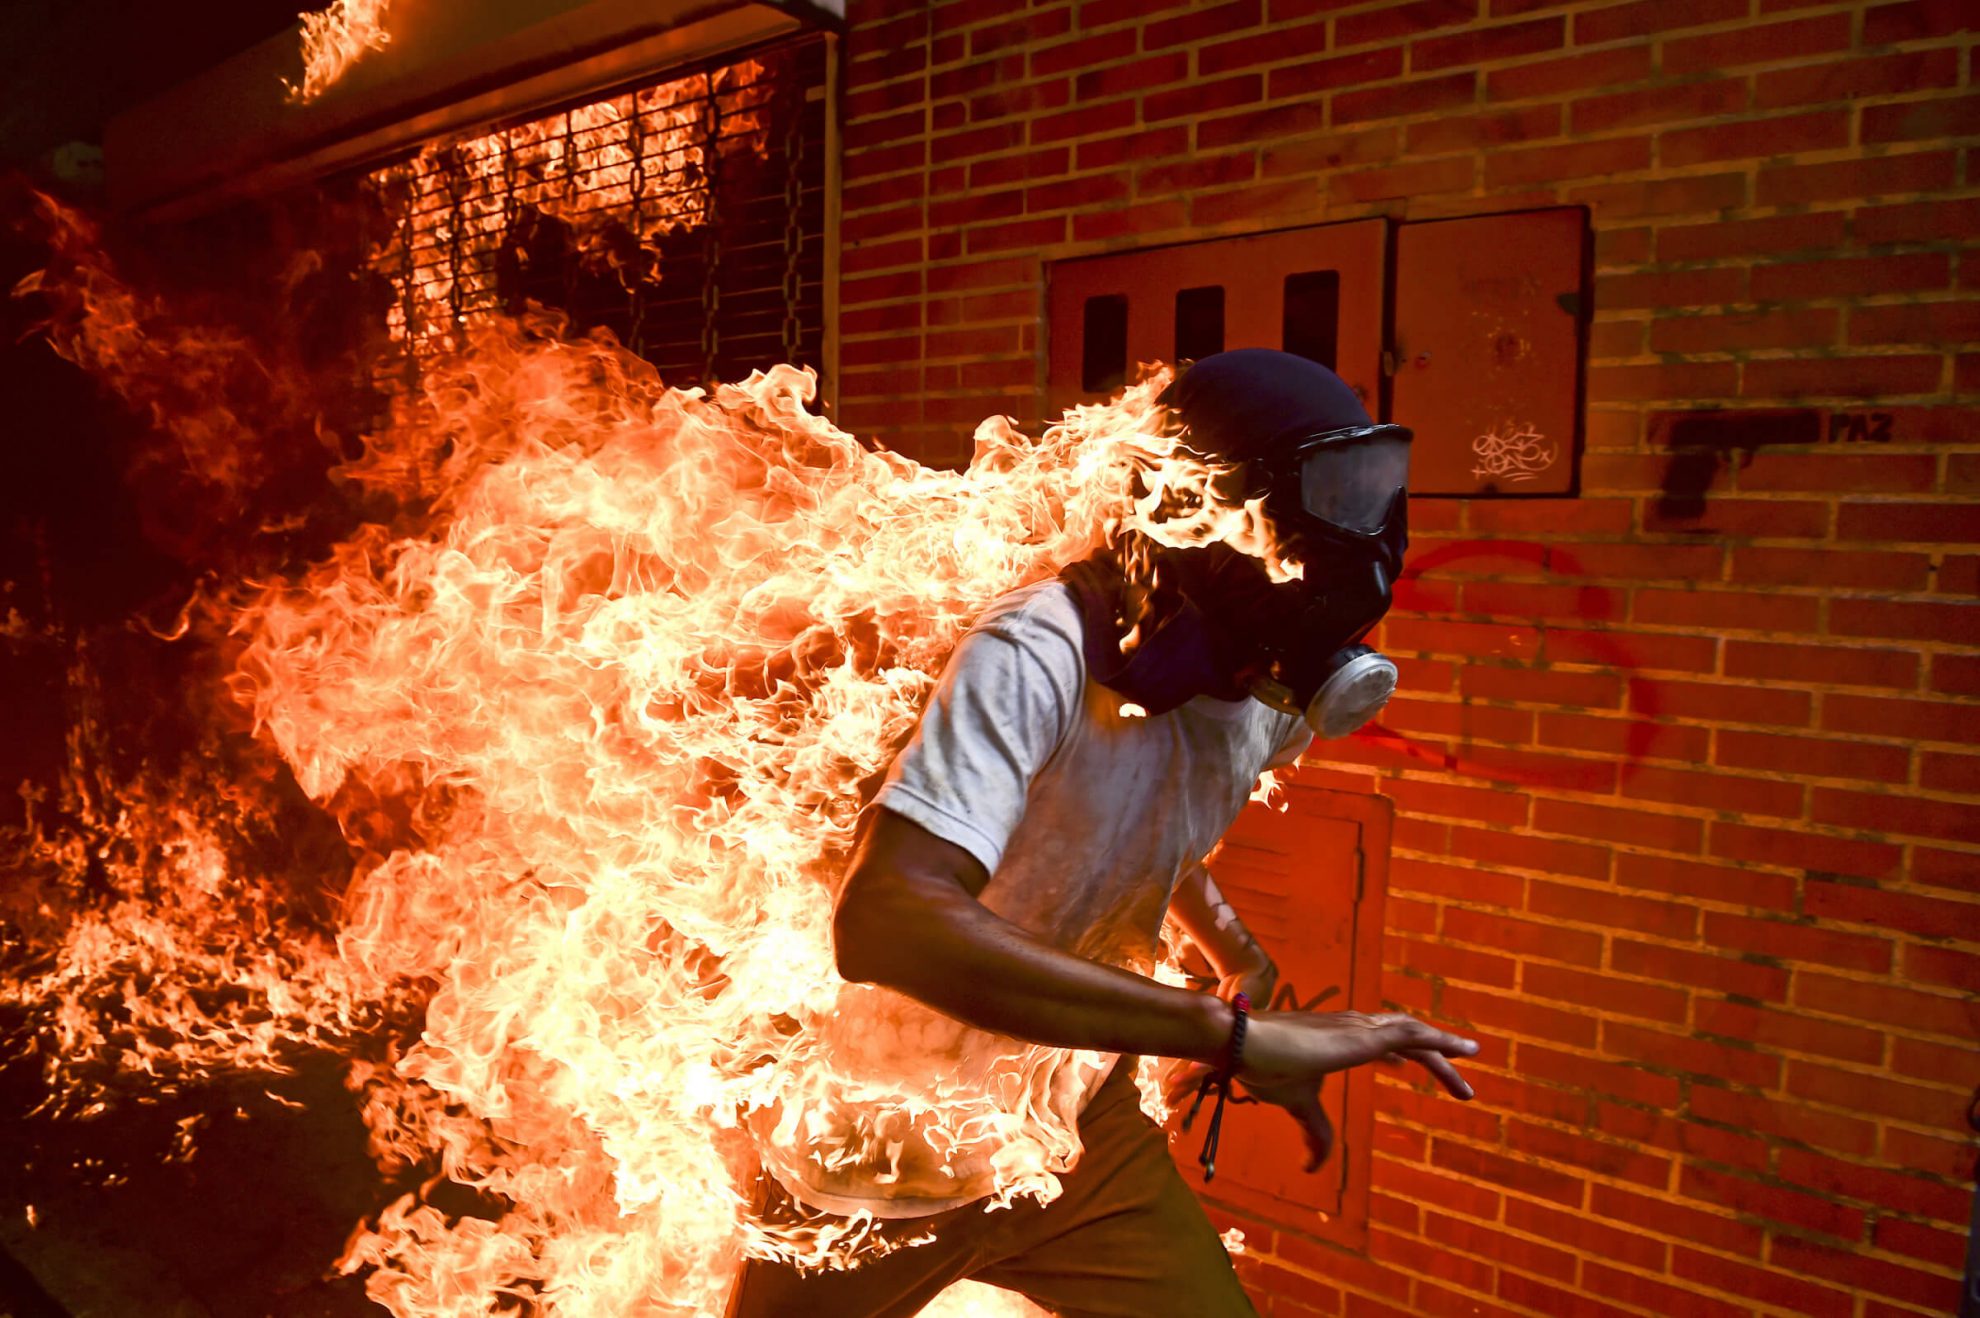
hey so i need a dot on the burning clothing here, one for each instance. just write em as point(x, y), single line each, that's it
point(1085, 815)
point(1127, 1239)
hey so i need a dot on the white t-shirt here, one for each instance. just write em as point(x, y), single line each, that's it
point(1085, 818)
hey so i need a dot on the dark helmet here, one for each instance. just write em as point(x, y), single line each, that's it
point(1335, 488)
point(1306, 440)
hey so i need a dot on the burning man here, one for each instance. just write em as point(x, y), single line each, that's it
point(1090, 741)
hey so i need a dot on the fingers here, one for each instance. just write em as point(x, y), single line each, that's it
point(1407, 1032)
point(1319, 1136)
point(1433, 1062)
point(1431, 1048)
point(1182, 1082)
point(1440, 1067)
point(1305, 1045)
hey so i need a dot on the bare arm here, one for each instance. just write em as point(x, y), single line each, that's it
point(1201, 910)
point(908, 919)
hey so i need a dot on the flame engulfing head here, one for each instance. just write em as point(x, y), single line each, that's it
point(624, 668)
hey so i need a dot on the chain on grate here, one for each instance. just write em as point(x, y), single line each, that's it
point(570, 200)
point(456, 176)
point(711, 235)
point(509, 205)
point(409, 312)
point(793, 228)
point(511, 241)
point(634, 276)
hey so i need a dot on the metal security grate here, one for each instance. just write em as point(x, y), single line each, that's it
point(686, 216)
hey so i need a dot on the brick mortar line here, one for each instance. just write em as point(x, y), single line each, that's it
point(1682, 629)
point(1769, 915)
point(1615, 801)
point(1273, 1231)
point(1761, 260)
point(1894, 978)
point(1716, 724)
point(1897, 350)
point(1883, 1120)
point(1677, 1156)
point(1483, 103)
point(1670, 808)
point(1671, 1238)
point(1712, 996)
point(1592, 1176)
point(1571, 39)
point(1765, 915)
point(1884, 1067)
point(1488, 23)
point(1956, 294)
point(1068, 248)
point(995, 322)
point(1852, 248)
point(1484, 907)
point(1953, 897)
point(1719, 585)
point(1749, 1304)
point(1727, 586)
point(1654, 81)
point(1708, 814)
point(1651, 1108)
point(1482, 100)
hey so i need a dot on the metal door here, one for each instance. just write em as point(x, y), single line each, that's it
point(1485, 358)
point(1316, 291)
point(1309, 882)
point(1491, 328)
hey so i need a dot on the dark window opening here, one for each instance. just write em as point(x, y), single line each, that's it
point(1313, 316)
point(1199, 322)
point(1103, 351)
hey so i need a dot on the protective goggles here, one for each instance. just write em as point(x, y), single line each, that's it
point(1349, 479)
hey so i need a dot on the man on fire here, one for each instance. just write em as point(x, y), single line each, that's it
point(1087, 746)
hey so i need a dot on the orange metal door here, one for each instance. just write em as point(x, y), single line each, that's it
point(1269, 286)
point(1308, 881)
point(1491, 323)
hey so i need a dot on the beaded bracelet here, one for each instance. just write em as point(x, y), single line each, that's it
point(1220, 1081)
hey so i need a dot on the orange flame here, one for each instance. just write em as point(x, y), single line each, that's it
point(334, 39)
point(653, 649)
point(638, 161)
point(182, 964)
point(630, 675)
point(182, 378)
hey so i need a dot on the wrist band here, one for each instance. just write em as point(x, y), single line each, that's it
point(1220, 1081)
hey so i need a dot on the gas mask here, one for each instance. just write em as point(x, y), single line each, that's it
point(1339, 502)
point(1334, 488)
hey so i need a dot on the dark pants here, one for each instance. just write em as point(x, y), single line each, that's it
point(1126, 1239)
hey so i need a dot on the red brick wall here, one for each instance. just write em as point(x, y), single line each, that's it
point(1705, 861)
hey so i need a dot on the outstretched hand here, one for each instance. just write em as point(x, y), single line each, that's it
point(1288, 1048)
point(1390, 1037)
point(1288, 1053)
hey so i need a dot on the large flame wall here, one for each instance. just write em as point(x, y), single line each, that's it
point(592, 677)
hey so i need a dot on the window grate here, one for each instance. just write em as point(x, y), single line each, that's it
point(686, 216)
